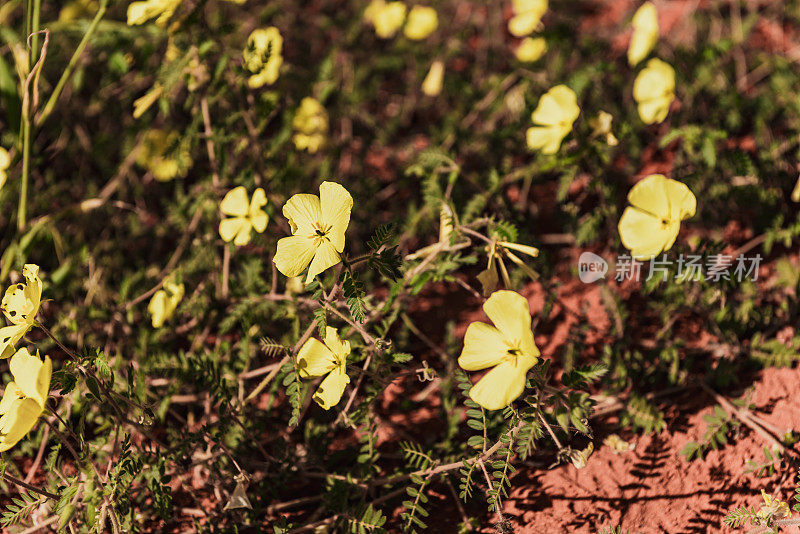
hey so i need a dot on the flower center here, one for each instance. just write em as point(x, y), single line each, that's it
point(320, 233)
point(513, 352)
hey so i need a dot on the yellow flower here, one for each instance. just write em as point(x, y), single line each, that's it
point(773, 508)
point(310, 125)
point(422, 21)
point(654, 90)
point(5, 161)
point(645, 33)
point(318, 226)
point(164, 154)
point(161, 10)
point(554, 115)
point(432, 84)
point(165, 301)
point(601, 127)
point(20, 305)
point(531, 49)
point(24, 398)
point(263, 56)
point(387, 18)
point(652, 221)
point(318, 359)
point(527, 16)
point(245, 216)
point(618, 445)
point(508, 347)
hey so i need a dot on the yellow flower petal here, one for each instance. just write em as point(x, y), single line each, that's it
point(546, 138)
point(304, 213)
point(263, 56)
point(336, 204)
point(558, 106)
point(654, 90)
point(645, 33)
point(294, 254)
point(528, 15)
point(663, 197)
point(230, 228)
point(9, 337)
point(531, 49)
point(243, 236)
point(499, 387)
point(432, 84)
point(32, 375)
point(22, 414)
point(682, 202)
point(315, 359)
point(388, 19)
point(484, 346)
point(157, 308)
point(338, 347)
point(325, 257)
point(422, 21)
point(510, 313)
point(330, 391)
point(235, 202)
point(645, 235)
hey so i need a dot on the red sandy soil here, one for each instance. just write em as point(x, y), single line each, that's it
point(653, 488)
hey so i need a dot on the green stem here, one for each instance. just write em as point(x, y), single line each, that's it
point(51, 102)
point(32, 26)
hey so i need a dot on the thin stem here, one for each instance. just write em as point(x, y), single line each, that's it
point(51, 102)
point(28, 487)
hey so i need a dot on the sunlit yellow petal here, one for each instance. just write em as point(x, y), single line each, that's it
point(499, 387)
point(389, 19)
point(18, 421)
point(304, 213)
point(157, 308)
point(294, 254)
point(243, 236)
point(235, 202)
point(9, 337)
point(230, 228)
point(32, 375)
point(336, 204)
point(654, 90)
point(645, 235)
point(528, 15)
point(650, 194)
point(432, 84)
point(531, 49)
point(559, 105)
point(545, 138)
point(258, 201)
point(338, 347)
point(645, 33)
point(682, 202)
point(315, 359)
point(330, 391)
point(510, 313)
point(484, 347)
point(422, 21)
point(325, 257)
